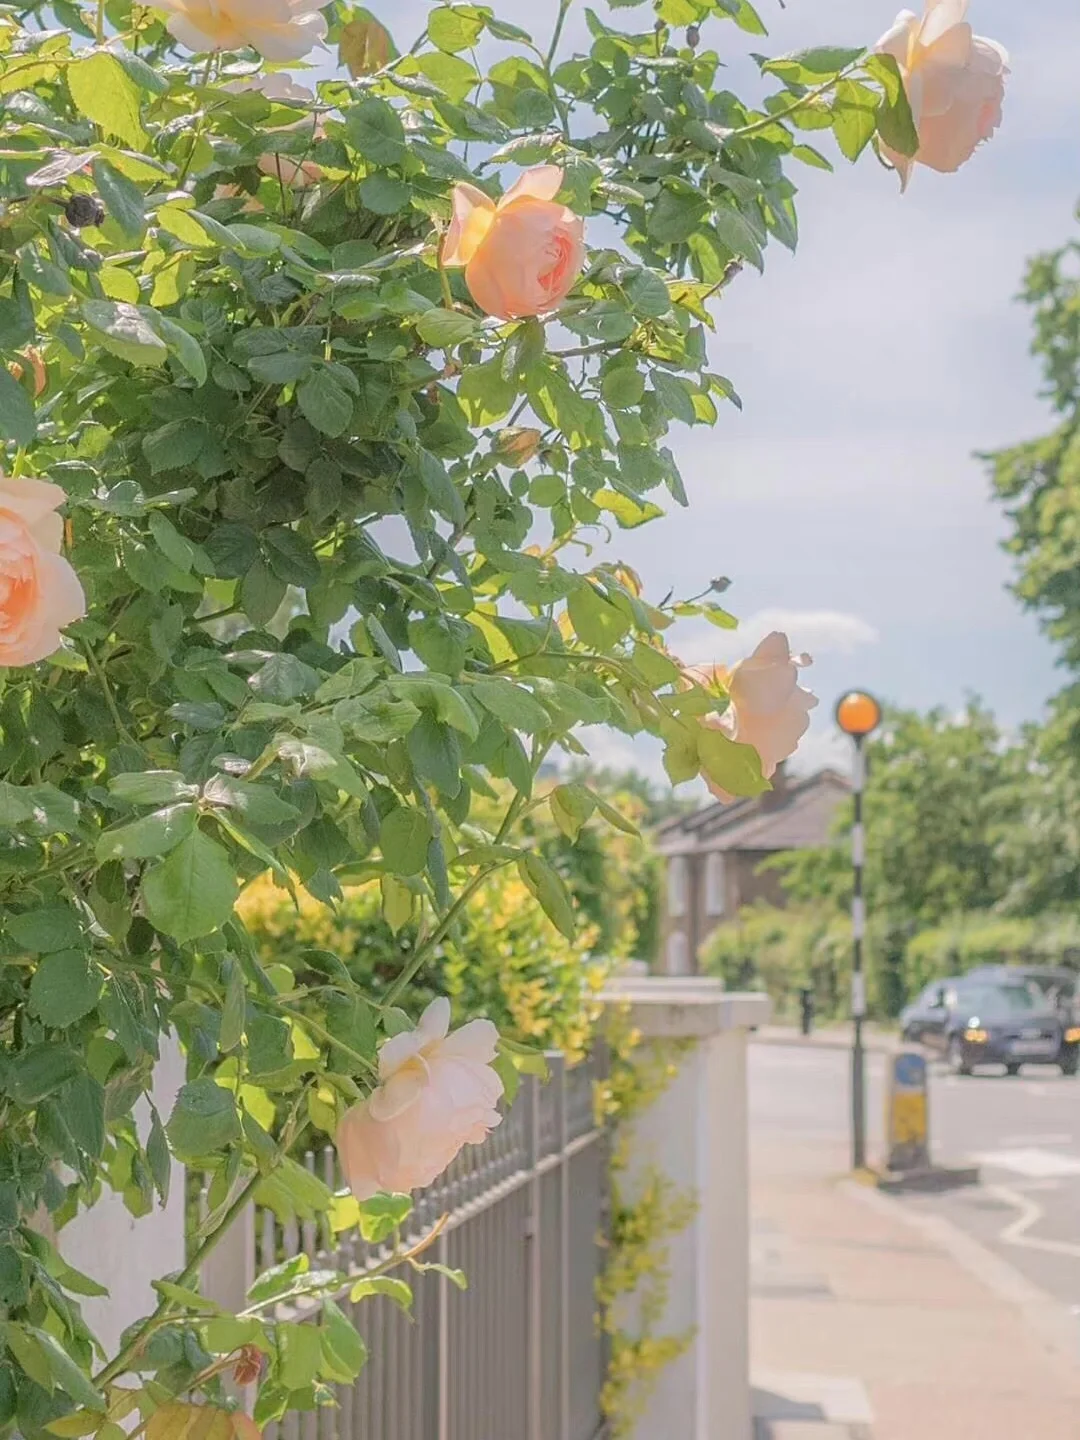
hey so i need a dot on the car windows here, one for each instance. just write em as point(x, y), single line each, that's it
point(1003, 1002)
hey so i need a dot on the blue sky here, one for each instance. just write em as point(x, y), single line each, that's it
point(844, 502)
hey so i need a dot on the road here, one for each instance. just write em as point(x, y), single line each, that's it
point(1024, 1131)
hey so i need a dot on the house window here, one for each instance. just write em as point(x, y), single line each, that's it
point(677, 886)
point(715, 888)
point(678, 954)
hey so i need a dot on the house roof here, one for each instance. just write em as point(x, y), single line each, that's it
point(794, 815)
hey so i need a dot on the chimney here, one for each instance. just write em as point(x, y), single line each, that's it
point(781, 783)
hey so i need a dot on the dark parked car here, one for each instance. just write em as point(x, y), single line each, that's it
point(1057, 983)
point(979, 1020)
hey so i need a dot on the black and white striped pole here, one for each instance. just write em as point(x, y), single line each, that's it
point(858, 715)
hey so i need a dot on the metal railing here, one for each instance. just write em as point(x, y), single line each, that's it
point(516, 1356)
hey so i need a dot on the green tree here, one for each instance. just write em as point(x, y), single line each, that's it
point(938, 794)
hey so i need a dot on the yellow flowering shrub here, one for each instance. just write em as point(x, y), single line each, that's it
point(503, 959)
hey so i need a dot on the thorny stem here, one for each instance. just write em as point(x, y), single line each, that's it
point(110, 699)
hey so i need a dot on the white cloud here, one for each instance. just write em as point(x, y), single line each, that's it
point(819, 632)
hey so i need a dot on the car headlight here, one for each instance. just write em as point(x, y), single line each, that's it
point(1072, 1035)
point(976, 1037)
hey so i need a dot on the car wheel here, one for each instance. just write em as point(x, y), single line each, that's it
point(1012, 1069)
point(1070, 1064)
point(954, 1058)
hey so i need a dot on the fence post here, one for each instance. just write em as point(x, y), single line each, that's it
point(558, 1065)
point(696, 1135)
point(533, 1268)
point(443, 1361)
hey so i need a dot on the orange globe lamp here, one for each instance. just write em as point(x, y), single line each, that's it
point(858, 714)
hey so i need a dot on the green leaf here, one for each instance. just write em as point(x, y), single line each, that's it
point(68, 1375)
point(293, 1192)
point(291, 556)
point(512, 704)
point(403, 837)
point(30, 1354)
point(154, 834)
point(204, 1120)
point(382, 1215)
point(284, 677)
point(895, 122)
point(261, 593)
point(733, 766)
point(444, 328)
point(854, 117)
point(102, 90)
point(375, 130)
point(344, 1353)
point(300, 1355)
point(39, 1071)
point(151, 787)
point(325, 403)
point(595, 620)
point(628, 512)
point(185, 347)
point(233, 1012)
point(193, 891)
point(121, 197)
point(17, 419)
point(571, 806)
point(454, 28)
point(126, 331)
point(808, 66)
point(547, 887)
point(83, 1103)
point(396, 1290)
point(384, 196)
point(65, 987)
point(54, 927)
point(159, 1157)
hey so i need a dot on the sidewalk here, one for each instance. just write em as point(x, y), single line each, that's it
point(828, 1037)
point(872, 1321)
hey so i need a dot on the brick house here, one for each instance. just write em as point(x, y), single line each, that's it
point(714, 856)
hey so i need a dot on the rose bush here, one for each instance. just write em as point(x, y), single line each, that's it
point(323, 496)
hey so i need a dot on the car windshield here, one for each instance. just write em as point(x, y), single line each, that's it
point(1001, 1001)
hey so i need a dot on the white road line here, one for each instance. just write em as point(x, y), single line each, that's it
point(1008, 1141)
point(1016, 1232)
point(1033, 1163)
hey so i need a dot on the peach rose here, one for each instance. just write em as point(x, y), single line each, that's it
point(769, 709)
point(39, 591)
point(437, 1092)
point(955, 84)
point(278, 29)
point(522, 255)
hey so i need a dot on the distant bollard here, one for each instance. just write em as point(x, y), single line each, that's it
point(806, 1009)
point(907, 1115)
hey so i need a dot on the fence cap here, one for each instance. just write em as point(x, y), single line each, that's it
point(686, 1006)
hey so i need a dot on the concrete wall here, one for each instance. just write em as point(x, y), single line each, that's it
point(107, 1243)
point(696, 1134)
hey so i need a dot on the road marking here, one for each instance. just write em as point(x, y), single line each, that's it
point(1008, 1141)
point(1035, 1164)
point(1016, 1232)
point(1043, 1312)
